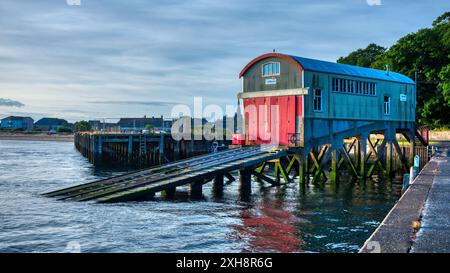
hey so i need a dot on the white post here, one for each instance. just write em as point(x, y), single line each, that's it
point(411, 175)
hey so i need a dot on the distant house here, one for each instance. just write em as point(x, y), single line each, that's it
point(167, 125)
point(97, 125)
point(47, 124)
point(139, 124)
point(14, 122)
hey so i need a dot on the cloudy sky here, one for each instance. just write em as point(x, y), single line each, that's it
point(115, 58)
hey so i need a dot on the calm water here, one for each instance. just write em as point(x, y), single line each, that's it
point(319, 219)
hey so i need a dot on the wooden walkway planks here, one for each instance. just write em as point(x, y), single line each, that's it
point(206, 173)
point(144, 173)
point(136, 185)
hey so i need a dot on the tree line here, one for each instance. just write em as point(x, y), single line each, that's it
point(424, 56)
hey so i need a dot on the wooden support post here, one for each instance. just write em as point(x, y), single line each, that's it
point(218, 185)
point(400, 154)
point(334, 165)
point(196, 189)
point(301, 169)
point(306, 165)
point(292, 164)
point(100, 145)
point(357, 153)
point(177, 147)
point(389, 152)
point(276, 172)
point(283, 171)
point(378, 152)
point(191, 146)
point(347, 149)
point(262, 177)
point(169, 192)
point(145, 197)
point(390, 139)
point(318, 163)
point(161, 148)
point(349, 161)
point(229, 177)
point(362, 157)
point(260, 170)
point(245, 186)
point(130, 148)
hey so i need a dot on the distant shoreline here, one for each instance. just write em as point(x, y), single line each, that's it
point(35, 137)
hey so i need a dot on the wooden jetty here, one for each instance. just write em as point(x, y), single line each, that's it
point(194, 171)
point(138, 149)
point(274, 166)
point(323, 118)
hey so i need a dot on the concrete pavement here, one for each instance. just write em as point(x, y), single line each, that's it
point(427, 201)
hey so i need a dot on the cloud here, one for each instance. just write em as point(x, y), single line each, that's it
point(114, 54)
point(10, 103)
point(144, 103)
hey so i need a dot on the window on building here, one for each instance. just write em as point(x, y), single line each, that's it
point(271, 69)
point(365, 88)
point(353, 87)
point(317, 104)
point(358, 87)
point(372, 91)
point(387, 105)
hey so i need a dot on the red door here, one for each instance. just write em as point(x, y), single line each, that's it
point(271, 120)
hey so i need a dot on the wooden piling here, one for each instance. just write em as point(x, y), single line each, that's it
point(169, 192)
point(362, 156)
point(196, 189)
point(218, 185)
point(245, 180)
point(334, 165)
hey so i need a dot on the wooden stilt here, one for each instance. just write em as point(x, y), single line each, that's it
point(169, 192)
point(349, 161)
point(301, 169)
point(334, 165)
point(229, 177)
point(362, 157)
point(317, 161)
point(378, 156)
point(196, 189)
point(403, 161)
point(245, 186)
point(218, 185)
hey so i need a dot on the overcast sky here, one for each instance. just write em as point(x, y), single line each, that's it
point(116, 58)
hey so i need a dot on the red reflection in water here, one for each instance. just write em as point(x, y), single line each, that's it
point(268, 229)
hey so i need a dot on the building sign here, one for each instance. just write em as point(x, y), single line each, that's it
point(403, 97)
point(271, 81)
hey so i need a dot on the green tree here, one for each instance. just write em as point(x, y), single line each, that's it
point(364, 56)
point(444, 75)
point(81, 126)
point(425, 53)
point(149, 127)
point(64, 130)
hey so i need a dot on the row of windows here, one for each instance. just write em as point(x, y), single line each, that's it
point(271, 69)
point(317, 102)
point(338, 84)
point(354, 87)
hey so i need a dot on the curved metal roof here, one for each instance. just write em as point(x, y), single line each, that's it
point(350, 70)
point(333, 68)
